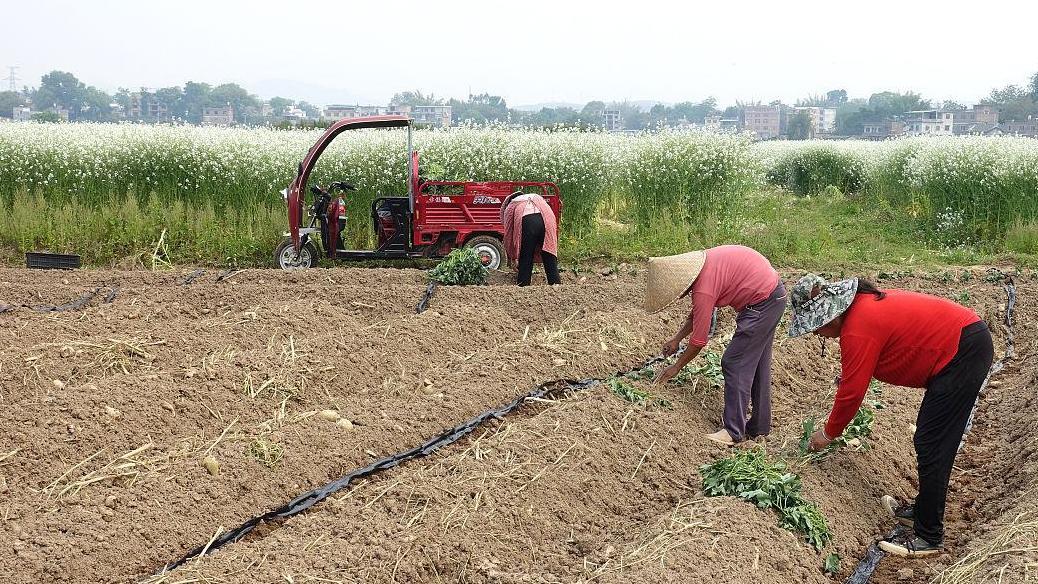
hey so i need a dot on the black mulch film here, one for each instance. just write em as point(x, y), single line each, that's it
point(551, 389)
point(426, 297)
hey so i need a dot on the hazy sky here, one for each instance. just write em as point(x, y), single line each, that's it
point(530, 51)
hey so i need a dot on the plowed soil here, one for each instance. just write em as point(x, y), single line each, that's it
point(110, 413)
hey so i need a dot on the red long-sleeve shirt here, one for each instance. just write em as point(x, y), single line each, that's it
point(904, 339)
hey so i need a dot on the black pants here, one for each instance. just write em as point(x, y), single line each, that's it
point(532, 240)
point(946, 408)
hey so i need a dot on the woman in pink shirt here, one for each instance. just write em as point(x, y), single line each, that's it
point(531, 235)
point(739, 277)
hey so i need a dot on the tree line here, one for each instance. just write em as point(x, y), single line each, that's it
point(62, 90)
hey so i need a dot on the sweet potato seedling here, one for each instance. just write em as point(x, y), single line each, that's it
point(634, 394)
point(832, 564)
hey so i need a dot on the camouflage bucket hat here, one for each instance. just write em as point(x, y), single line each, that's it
point(811, 313)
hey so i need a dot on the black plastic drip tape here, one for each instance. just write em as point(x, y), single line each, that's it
point(867, 565)
point(873, 554)
point(191, 277)
point(111, 295)
point(426, 297)
point(5, 308)
point(73, 305)
point(449, 436)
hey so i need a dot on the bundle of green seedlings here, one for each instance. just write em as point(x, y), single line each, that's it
point(749, 475)
point(633, 394)
point(461, 267)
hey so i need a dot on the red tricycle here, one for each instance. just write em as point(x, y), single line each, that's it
point(434, 218)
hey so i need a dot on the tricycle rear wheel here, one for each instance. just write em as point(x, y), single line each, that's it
point(489, 249)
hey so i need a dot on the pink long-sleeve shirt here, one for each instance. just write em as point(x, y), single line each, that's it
point(733, 275)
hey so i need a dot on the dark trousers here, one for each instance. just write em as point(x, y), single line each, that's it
point(531, 241)
point(946, 408)
point(746, 365)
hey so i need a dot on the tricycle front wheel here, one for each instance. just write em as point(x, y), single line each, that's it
point(286, 258)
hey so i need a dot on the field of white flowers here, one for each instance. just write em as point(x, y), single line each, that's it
point(190, 179)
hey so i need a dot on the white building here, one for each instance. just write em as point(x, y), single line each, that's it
point(612, 120)
point(930, 123)
point(218, 116)
point(22, 113)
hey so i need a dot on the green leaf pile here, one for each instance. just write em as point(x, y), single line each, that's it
point(461, 267)
point(749, 475)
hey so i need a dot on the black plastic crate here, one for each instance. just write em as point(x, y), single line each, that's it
point(51, 261)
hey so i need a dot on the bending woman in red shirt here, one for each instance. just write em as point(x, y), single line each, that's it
point(728, 275)
point(912, 340)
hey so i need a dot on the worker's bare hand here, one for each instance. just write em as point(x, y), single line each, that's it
point(666, 374)
point(670, 347)
point(819, 441)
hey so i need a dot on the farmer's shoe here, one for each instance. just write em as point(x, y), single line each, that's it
point(904, 514)
point(908, 545)
point(721, 437)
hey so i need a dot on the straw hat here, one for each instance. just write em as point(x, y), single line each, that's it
point(671, 277)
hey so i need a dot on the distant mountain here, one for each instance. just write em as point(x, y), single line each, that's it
point(552, 105)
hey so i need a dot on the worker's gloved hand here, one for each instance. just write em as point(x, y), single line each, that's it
point(666, 374)
point(670, 347)
point(819, 441)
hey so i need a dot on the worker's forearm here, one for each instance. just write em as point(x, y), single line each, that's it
point(686, 329)
point(690, 352)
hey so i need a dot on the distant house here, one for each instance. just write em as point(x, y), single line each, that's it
point(612, 120)
point(429, 115)
point(765, 121)
point(976, 120)
point(930, 122)
point(882, 130)
point(143, 105)
point(1027, 128)
point(432, 115)
point(721, 124)
point(337, 112)
point(823, 119)
point(218, 116)
point(364, 111)
point(22, 113)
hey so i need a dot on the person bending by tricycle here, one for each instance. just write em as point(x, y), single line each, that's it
point(908, 339)
point(531, 235)
point(739, 277)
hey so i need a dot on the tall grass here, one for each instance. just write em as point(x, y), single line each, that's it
point(128, 231)
point(957, 190)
